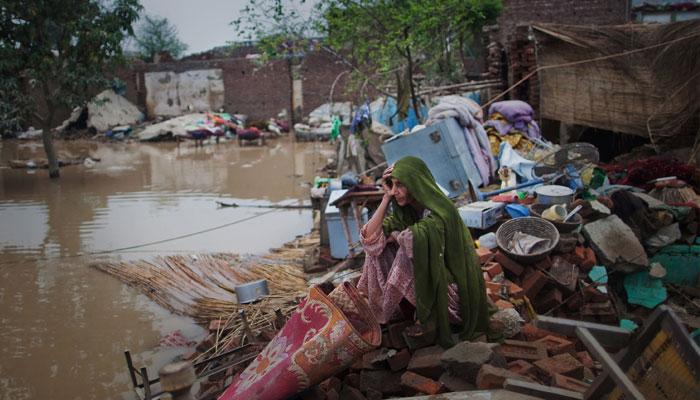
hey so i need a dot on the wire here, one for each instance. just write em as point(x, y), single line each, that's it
point(137, 246)
point(590, 60)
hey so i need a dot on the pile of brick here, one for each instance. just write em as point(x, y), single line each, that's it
point(522, 59)
point(407, 366)
point(558, 285)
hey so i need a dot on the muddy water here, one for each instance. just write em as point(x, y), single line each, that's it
point(64, 326)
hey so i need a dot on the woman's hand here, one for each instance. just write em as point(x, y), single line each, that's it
point(387, 185)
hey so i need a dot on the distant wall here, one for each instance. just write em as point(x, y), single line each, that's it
point(248, 88)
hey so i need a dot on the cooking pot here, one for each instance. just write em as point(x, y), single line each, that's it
point(251, 291)
point(554, 194)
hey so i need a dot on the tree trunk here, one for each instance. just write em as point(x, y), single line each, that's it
point(46, 137)
point(50, 151)
point(414, 98)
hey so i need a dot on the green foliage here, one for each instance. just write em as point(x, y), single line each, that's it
point(155, 35)
point(278, 30)
point(60, 48)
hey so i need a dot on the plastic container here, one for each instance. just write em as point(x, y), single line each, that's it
point(488, 241)
point(336, 236)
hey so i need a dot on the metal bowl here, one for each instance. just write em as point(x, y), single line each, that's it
point(251, 291)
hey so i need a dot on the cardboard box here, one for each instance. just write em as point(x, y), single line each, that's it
point(481, 214)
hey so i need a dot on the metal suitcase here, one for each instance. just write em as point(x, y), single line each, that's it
point(444, 149)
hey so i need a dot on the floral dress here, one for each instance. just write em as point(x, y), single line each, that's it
point(387, 275)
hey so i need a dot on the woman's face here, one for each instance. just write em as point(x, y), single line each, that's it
point(400, 193)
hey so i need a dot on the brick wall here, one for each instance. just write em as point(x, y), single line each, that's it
point(258, 91)
point(574, 12)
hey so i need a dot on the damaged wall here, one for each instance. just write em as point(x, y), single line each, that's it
point(248, 88)
point(169, 93)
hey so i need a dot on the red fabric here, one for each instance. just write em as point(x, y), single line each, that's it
point(638, 173)
point(322, 337)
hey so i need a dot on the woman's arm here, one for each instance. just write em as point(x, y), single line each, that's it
point(374, 225)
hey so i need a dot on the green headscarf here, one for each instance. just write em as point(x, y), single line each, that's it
point(443, 253)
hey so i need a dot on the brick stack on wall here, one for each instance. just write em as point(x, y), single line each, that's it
point(573, 12)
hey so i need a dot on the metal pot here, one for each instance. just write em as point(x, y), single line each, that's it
point(554, 194)
point(251, 291)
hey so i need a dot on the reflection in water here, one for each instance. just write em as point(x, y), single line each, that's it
point(64, 325)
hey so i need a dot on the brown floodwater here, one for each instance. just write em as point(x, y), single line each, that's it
point(64, 325)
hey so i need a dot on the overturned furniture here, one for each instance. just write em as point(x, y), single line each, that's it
point(660, 362)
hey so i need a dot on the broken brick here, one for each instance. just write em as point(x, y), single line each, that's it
point(564, 364)
point(387, 382)
point(533, 283)
point(332, 383)
point(492, 295)
point(564, 273)
point(532, 333)
point(333, 395)
point(549, 300)
point(584, 257)
point(514, 290)
point(557, 345)
point(516, 349)
point(569, 383)
point(372, 394)
point(352, 379)
point(493, 268)
point(454, 383)
point(593, 295)
point(399, 360)
point(487, 277)
point(466, 358)
point(395, 334)
point(376, 359)
point(574, 302)
point(418, 337)
point(418, 383)
point(508, 263)
point(491, 377)
point(351, 393)
point(427, 362)
point(585, 359)
point(521, 367)
point(485, 255)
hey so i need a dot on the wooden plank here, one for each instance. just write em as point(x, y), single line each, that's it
point(612, 337)
point(541, 391)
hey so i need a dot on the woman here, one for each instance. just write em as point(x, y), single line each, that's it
point(434, 268)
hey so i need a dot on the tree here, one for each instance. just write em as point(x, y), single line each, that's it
point(156, 35)
point(392, 39)
point(61, 49)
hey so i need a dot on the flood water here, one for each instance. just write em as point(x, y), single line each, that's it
point(64, 325)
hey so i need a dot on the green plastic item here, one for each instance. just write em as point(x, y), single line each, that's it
point(644, 290)
point(599, 276)
point(682, 263)
point(628, 324)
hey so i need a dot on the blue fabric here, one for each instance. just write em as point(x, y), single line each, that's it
point(387, 116)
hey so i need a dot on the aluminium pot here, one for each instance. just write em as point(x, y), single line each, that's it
point(554, 194)
point(251, 291)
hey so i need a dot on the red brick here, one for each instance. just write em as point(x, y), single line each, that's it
point(332, 383)
point(395, 334)
point(508, 263)
point(495, 287)
point(557, 345)
point(593, 295)
point(491, 377)
point(564, 364)
point(485, 255)
point(413, 381)
point(518, 350)
point(332, 395)
point(400, 360)
point(549, 300)
point(533, 283)
point(569, 383)
point(531, 333)
point(502, 304)
point(521, 367)
point(487, 277)
point(493, 296)
point(585, 359)
point(514, 290)
point(352, 379)
point(493, 269)
point(427, 362)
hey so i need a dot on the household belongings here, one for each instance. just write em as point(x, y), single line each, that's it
point(336, 235)
point(512, 121)
point(443, 148)
point(481, 214)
